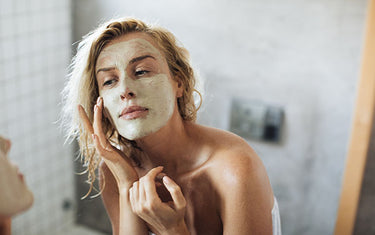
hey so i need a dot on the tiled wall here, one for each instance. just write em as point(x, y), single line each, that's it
point(35, 48)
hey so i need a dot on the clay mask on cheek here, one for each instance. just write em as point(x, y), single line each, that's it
point(154, 93)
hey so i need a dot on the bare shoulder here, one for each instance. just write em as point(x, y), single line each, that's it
point(245, 197)
point(234, 163)
point(229, 150)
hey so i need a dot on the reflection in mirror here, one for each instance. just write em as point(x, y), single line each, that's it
point(302, 56)
point(15, 196)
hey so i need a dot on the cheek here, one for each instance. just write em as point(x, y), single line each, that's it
point(159, 88)
point(111, 101)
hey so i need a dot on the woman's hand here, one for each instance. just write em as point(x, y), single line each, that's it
point(119, 164)
point(163, 218)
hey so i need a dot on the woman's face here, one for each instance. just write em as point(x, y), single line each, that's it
point(14, 194)
point(136, 85)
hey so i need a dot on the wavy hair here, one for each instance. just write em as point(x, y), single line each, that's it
point(81, 87)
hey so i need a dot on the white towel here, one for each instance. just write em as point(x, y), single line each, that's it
point(276, 225)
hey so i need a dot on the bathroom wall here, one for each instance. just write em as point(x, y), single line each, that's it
point(35, 48)
point(301, 55)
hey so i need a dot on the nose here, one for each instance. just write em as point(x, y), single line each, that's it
point(128, 94)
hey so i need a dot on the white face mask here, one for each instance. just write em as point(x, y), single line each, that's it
point(151, 93)
point(15, 197)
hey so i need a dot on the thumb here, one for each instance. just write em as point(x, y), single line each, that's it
point(176, 193)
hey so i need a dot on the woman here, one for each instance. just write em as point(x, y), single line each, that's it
point(160, 172)
point(15, 197)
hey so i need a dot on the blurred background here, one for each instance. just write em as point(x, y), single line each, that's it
point(292, 64)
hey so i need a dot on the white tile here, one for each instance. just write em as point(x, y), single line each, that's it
point(33, 65)
point(21, 6)
point(6, 29)
point(6, 8)
point(8, 49)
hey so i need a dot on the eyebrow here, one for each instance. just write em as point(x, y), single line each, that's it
point(132, 61)
point(139, 58)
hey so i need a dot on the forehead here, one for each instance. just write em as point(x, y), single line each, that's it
point(129, 46)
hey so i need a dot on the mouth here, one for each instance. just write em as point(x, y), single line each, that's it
point(21, 177)
point(133, 112)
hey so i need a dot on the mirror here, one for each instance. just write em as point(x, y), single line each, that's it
point(358, 191)
point(303, 56)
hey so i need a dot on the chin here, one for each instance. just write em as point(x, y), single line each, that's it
point(139, 132)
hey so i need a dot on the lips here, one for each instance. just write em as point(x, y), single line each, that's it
point(21, 177)
point(133, 112)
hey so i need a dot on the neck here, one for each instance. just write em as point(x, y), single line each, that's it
point(170, 147)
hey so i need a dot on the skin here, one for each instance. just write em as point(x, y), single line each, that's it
point(194, 179)
point(15, 197)
point(116, 74)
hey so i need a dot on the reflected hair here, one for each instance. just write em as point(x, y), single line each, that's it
point(82, 89)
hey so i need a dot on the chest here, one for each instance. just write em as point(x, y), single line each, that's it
point(202, 210)
point(202, 203)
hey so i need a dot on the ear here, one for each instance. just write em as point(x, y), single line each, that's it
point(180, 87)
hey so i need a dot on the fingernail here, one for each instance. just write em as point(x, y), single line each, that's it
point(166, 179)
point(80, 108)
point(98, 100)
point(95, 107)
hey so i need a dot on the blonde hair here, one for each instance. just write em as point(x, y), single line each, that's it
point(82, 87)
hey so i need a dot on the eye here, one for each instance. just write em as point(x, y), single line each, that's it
point(109, 82)
point(140, 73)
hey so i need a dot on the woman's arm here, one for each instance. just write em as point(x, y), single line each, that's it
point(246, 195)
point(120, 174)
point(123, 220)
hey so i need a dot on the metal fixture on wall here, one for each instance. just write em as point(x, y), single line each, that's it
point(256, 120)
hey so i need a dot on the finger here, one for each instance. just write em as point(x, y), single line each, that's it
point(132, 199)
point(97, 124)
point(85, 119)
point(149, 186)
point(101, 150)
point(159, 177)
point(142, 190)
point(148, 183)
point(154, 172)
point(175, 191)
point(135, 197)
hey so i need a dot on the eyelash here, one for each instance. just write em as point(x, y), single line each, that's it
point(109, 82)
point(140, 72)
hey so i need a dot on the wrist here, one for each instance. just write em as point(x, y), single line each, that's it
point(124, 187)
point(180, 229)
